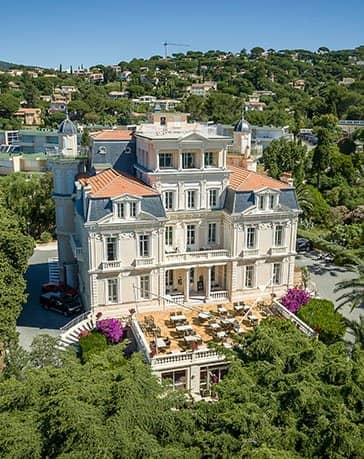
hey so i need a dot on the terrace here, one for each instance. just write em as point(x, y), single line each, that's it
point(183, 329)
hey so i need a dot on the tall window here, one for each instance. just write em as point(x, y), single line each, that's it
point(144, 287)
point(212, 199)
point(133, 208)
point(188, 160)
point(251, 238)
point(177, 379)
point(278, 236)
point(112, 290)
point(208, 159)
point(144, 245)
point(211, 233)
point(165, 160)
point(271, 201)
point(277, 273)
point(168, 200)
point(169, 235)
point(191, 235)
point(213, 275)
point(121, 210)
point(249, 276)
point(111, 248)
point(192, 275)
point(169, 279)
point(261, 202)
point(191, 199)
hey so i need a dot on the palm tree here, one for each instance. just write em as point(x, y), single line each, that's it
point(353, 290)
point(357, 330)
point(304, 197)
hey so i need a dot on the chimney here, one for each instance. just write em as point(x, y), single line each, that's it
point(286, 177)
point(250, 164)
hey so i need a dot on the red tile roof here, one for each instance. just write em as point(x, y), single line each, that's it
point(244, 180)
point(112, 134)
point(110, 183)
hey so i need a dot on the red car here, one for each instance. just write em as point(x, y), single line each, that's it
point(58, 287)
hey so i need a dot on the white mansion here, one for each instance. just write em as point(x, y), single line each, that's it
point(188, 228)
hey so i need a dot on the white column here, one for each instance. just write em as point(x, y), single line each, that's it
point(187, 285)
point(179, 160)
point(208, 283)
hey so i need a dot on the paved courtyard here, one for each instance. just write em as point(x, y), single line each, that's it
point(326, 275)
point(34, 320)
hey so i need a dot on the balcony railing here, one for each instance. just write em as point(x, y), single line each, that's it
point(175, 299)
point(143, 261)
point(250, 253)
point(278, 250)
point(219, 295)
point(284, 312)
point(183, 358)
point(200, 255)
point(76, 248)
point(113, 265)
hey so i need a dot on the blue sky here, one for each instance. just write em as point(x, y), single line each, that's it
point(49, 33)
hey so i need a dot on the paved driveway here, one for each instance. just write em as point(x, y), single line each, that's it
point(34, 320)
point(325, 276)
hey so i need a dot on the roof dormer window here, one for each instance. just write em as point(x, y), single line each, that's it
point(267, 200)
point(101, 150)
point(261, 202)
point(127, 209)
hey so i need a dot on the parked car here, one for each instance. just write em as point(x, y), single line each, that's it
point(303, 245)
point(60, 287)
point(65, 304)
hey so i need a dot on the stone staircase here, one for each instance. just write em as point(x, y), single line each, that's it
point(71, 331)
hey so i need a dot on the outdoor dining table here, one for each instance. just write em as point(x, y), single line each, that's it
point(221, 334)
point(177, 317)
point(160, 343)
point(253, 317)
point(227, 321)
point(222, 310)
point(204, 315)
point(239, 307)
point(215, 326)
point(182, 328)
point(192, 338)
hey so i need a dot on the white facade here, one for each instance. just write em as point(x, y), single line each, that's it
point(199, 251)
point(189, 230)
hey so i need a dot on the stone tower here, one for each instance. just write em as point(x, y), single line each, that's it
point(65, 167)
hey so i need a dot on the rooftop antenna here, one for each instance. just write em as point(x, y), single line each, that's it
point(166, 44)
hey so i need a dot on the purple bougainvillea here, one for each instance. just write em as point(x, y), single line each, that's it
point(295, 298)
point(111, 329)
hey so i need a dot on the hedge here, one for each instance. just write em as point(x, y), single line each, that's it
point(322, 317)
point(92, 343)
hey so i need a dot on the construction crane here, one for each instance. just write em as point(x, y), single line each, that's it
point(166, 44)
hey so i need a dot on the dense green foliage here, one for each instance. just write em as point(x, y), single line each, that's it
point(15, 249)
point(352, 290)
point(92, 343)
point(285, 396)
point(29, 196)
point(322, 317)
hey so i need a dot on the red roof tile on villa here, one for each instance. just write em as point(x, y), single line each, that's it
point(244, 180)
point(110, 183)
point(112, 134)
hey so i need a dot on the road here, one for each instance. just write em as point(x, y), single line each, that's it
point(34, 320)
point(325, 276)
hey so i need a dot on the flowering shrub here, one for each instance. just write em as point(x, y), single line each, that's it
point(111, 329)
point(295, 298)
